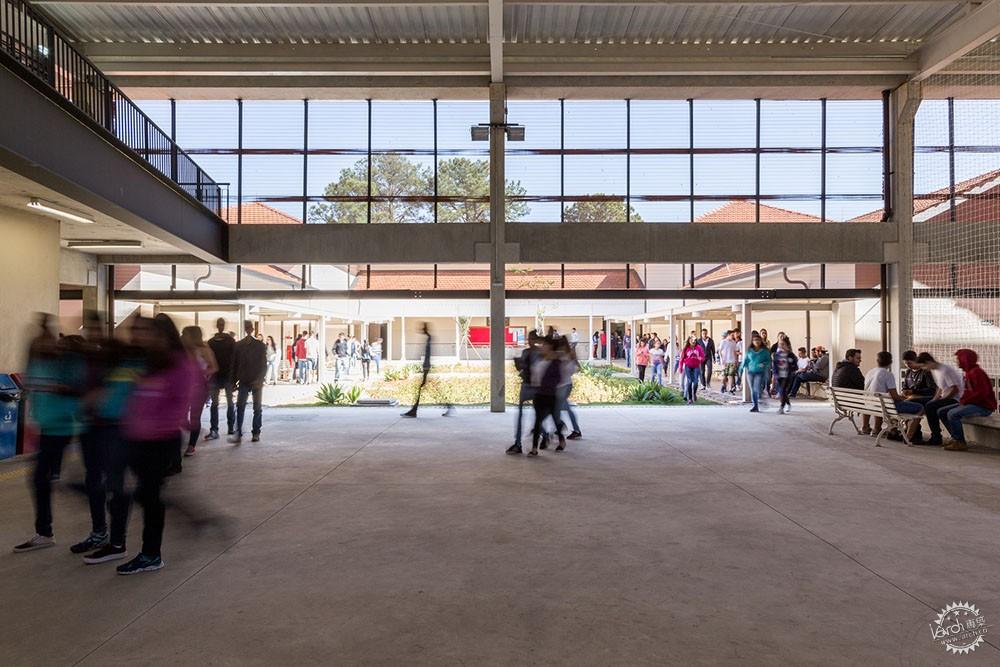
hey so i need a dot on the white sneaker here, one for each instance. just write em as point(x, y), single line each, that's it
point(788, 408)
point(35, 543)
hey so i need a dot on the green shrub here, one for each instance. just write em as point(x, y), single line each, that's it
point(596, 371)
point(650, 392)
point(332, 394)
point(353, 394)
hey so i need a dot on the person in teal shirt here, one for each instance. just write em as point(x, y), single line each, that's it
point(55, 379)
point(756, 363)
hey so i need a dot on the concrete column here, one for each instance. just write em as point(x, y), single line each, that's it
point(458, 341)
point(322, 349)
point(402, 337)
point(498, 116)
point(590, 337)
point(842, 334)
point(670, 347)
point(904, 103)
point(607, 339)
point(747, 317)
point(387, 348)
point(632, 346)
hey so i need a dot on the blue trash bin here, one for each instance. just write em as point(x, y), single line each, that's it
point(10, 406)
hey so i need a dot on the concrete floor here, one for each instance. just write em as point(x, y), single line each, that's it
point(685, 536)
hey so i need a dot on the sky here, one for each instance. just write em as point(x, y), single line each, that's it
point(854, 139)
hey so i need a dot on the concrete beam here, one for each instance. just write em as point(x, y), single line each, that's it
point(702, 243)
point(432, 3)
point(959, 38)
point(496, 40)
point(47, 140)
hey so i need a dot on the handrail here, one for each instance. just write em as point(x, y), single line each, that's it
point(37, 47)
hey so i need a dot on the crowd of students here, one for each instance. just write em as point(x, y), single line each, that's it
point(936, 391)
point(132, 405)
point(348, 353)
point(546, 366)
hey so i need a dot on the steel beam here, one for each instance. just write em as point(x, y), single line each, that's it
point(959, 38)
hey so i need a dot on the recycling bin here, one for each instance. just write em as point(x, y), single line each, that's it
point(10, 408)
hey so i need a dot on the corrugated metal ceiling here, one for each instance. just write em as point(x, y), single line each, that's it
point(544, 23)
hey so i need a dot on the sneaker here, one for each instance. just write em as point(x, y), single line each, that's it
point(409, 413)
point(449, 412)
point(141, 563)
point(575, 435)
point(231, 431)
point(212, 435)
point(255, 437)
point(93, 541)
point(236, 439)
point(514, 449)
point(35, 543)
point(105, 553)
point(562, 443)
point(957, 446)
point(533, 452)
point(754, 410)
point(190, 451)
point(935, 441)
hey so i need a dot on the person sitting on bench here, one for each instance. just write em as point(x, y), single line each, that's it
point(881, 380)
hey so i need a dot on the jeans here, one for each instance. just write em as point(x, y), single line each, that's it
point(149, 461)
point(103, 461)
point(784, 386)
point(377, 358)
point(756, 381)
point(194, 415)
point(245, 389)
point(272, 371)
point(49, 461)
point(628, 357)
point(706, 374)
point(658, 372)
point(804, 376)
point(527, 395)
point(365, 368)
point(932, 411)
point(691, 382)
point(642, 372)
point(952, 417)
point(340, 366)
point(562, 403)
point(227, 387)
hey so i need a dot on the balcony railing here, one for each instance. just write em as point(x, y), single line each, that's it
point(28, 39)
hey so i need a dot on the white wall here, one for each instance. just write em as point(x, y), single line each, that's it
point(29, 280)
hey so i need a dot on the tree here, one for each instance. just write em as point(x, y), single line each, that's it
point(462, 177)
point(392, 176)
point(600, 211)
point(395, 176)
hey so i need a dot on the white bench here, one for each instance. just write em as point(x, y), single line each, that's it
point(984, 431)
point(850, 402)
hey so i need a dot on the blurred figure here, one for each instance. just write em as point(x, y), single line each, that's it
point(449, 410)
point(249, 367)
point(377, 355)
point(366, 359)
point(312, 356)
point(523, 364)
point(546, 375)
point(156, 412)
point(222, 345)
point(203, 358)
point(570, 366)
point(55, 378)
point(340, 353)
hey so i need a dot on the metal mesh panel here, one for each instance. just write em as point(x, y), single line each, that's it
point(957, 200)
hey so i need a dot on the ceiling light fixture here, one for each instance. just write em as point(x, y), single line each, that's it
point(53, 210)
point(123, 243)
point(481, 132)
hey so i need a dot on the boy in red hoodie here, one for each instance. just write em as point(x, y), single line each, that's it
point(977, 401)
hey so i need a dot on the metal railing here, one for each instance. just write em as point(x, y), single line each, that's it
point(27, 38)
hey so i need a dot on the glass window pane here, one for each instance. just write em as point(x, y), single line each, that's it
point(725, 124)
point(791, 124)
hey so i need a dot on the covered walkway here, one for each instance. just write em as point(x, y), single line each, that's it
point(666, 536)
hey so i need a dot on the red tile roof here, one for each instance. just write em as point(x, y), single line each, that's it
point(256, 213)
point(923, 202)
point(743, 210)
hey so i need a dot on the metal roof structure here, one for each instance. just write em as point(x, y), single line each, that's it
point(567, 48)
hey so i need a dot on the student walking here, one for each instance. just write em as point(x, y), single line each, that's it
point(156, 412)
point(546, 376)
point(708, 347)
point(755, 363)
point(249, 367)
point(783, 365)
point(642, 359)
point(366, 359)
point(656, 355)
point(222, 345)
point(412, 412)
point(570, 366)
point(692, 357)
point(272, 362)
point(377, 355)
point(203, 358)
point(523, 364)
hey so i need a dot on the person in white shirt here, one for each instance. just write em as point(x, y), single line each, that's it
point(950, 385)
point(802, 362)
point(312, 354)
point(729, 357)
point(881, 380)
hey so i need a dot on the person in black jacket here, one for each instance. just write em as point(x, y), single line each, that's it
point(523, 365)
point(708, 347)
point(848, 373)
point(249, 369)
point(222, 345)
point(918, 383)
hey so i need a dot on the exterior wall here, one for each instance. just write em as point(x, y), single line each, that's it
point(29, 276)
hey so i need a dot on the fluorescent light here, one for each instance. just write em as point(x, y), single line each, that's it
point(515, 133)
point(480, 132)
point(124, 243)
point(54, 210)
